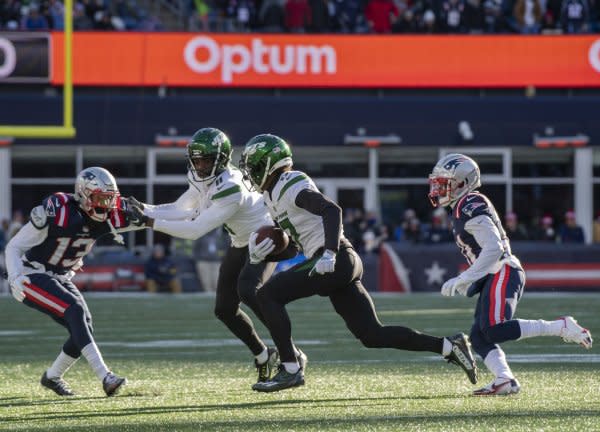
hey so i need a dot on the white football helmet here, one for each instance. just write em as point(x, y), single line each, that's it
point(454, 176)
point(96, 192)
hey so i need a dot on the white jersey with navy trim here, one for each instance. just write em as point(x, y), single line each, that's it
point(304, 227)
point(207, 205)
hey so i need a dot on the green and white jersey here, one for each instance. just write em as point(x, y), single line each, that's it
point(207, 205)
point(304, 227)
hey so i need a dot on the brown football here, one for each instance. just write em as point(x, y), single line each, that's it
point(276, 234)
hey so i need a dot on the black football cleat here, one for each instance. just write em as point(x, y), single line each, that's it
point(266, 369)
point(112, 384)
point(462, 355)
point(57, 385)
point(281, 381)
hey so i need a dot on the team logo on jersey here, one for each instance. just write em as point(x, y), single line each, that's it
point(469, 208)
point(50, 210)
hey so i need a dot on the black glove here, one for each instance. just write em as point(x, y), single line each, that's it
point(136, 216)
point(133, 202)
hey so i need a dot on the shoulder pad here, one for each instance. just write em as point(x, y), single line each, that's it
point(293, 178)
point(472, 205)
point(38, 217)
point(225, 189)
point(56, 208)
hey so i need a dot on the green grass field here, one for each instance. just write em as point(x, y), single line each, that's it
point(187, 373)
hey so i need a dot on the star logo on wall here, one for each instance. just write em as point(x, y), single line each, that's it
point(435, 273)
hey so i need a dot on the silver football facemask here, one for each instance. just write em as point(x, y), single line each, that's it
point(454, 176)
point(96, 192)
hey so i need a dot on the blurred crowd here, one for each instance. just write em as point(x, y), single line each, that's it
point(365, 229)
point(315, 16)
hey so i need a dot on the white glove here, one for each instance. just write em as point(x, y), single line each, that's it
point(325, 264)
point(455, 285)
point(258, 252)
point(17, 287)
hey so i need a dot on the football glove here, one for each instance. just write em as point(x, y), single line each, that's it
point(133, 202)
point(136, 216)
point(455, 285)
point(325, 264)
point(258, 252)
point(17, 287)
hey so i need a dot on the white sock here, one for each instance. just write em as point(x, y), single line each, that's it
point(61, 365)
point(263, 356)
point(496, 363)
point(291, 367)
point(533, 328)
point(447, 348)
point(94, 358)
point(296, 351)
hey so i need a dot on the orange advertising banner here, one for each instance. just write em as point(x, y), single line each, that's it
point(256, 60)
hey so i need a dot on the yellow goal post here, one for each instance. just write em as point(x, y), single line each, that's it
point(67, 130)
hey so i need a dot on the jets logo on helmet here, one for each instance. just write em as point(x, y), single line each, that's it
point(262, 156)
point(454, 176)
point(208, 153)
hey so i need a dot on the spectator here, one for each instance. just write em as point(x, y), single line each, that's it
point(126, 10)
point(381, 15)
point(545, 231)
point(209, 251)
point(514, 230)
point(574, 16)
point(493, 16)
point(428, 24)
point(271, 16)
point(297, 15)
point(56, 11)
point(199, 16)
point(161, 273)
point(438, 232)
point(413, 232)
point(320, 15)
point(406, 23)
point(34, 20)
point(350, 15)
point(474, 16)
point(528, 16)
point(597, 228)
point(10, 14)
point(452, 16)
point(81, 21)
point(570, 232)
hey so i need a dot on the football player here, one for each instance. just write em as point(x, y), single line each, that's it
point(43, 256)
point(333, 268)
point(494, 273)
point(216, 197)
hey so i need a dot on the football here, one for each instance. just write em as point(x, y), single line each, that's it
point(278, 236)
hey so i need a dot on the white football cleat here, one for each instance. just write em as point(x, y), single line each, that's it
point(573, 332)
point(499, 387)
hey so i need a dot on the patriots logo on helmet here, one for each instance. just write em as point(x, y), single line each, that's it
point(88, 175)
point(453, 163)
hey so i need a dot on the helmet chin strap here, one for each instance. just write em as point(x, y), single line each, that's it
point(116, 236)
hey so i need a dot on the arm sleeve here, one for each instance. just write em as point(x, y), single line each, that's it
point(27, 237)
point(181, 209)
point(318, 204)
point(209, 219)
point(487, 236)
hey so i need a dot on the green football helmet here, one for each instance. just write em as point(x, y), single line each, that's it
point(208, 153)
point(263, 155)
